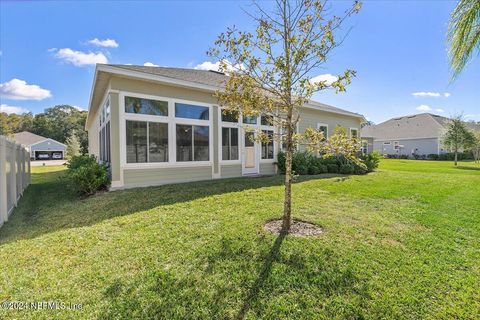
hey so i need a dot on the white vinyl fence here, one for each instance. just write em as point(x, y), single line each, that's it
point(14, 175)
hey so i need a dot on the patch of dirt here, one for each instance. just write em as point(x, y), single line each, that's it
point(297, 229)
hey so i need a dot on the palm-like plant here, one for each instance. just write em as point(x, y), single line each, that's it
point(463, 34)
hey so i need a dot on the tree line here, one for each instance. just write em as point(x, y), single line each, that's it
point(59, 123)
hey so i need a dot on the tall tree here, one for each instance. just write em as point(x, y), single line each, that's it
point(270, 70)
point(457, 137)
point(73, 146)
point(463, 34)
point(476, 147)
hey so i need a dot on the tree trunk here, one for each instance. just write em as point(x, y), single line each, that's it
point(287, 205)
point(456, 156)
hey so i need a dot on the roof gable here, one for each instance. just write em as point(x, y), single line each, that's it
point(27, 138)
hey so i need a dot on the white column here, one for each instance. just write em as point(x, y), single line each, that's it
point(3, 181)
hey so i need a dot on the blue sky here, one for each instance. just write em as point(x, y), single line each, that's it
point(397, 48)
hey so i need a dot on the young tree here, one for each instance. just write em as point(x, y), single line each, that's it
point(73, 146)
point(476, 147)
point(457, 136)
point(270, 70)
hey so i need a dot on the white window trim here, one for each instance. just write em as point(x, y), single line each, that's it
point(323, 125)
point(358, 132)
point(172, 121)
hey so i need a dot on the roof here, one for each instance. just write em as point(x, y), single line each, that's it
point(207, 80)
point(417, 126)
point(27, 138)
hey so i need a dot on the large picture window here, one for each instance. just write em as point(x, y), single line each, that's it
point(267, 147)
point(147, 142)
point(229, 143)
point(190, 111)
point(229, 116)
point(146, 106)
point(192, 143)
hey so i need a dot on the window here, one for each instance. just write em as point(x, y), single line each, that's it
point(107, 143)
point(396, 145)
point(353, 133)
point(267, 147)
point(190, 111)
point(107, 108)
point(146, 106)
point(157, 142)
point(323, 128)
point(229, 144)
point(387, 143)
point(229, 116)
point(249, 120)
point(136, 141)
point(192, 143)
point(266, 120)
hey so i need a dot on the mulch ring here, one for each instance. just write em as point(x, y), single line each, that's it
point(297, 229)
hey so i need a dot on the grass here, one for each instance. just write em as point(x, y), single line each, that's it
point(400, 243)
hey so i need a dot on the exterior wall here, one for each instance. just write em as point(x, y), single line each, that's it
point(309, 118)
point(47, 145)
point(114, 137)
point(419, 146)
point(267, 169)
point(93, 137)
point(156, 176)
point(231, 170)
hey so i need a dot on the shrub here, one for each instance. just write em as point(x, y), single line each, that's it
point(322, 168)
point(281, 162)
point(87, 175)
point(433, 156)
point(346, 169)
point(332, 168)
point(372, 160)
point(360, 168)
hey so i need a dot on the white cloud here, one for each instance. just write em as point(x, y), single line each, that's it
point(426, 94)
point(215, 66)
point(17, 89)
point(150, 64)
point(472, 115)
point(80, 108)
point(424, 107)
point(107, 43)
point(12, 109)
point(328, 78)
point(440, 110)
point(79, 58)
point(446, 94)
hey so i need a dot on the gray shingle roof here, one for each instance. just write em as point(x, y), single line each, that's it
point(211, 78)
point(423, 125)
point(27, 138)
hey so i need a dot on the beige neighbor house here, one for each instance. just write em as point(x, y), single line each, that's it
point(157, 125)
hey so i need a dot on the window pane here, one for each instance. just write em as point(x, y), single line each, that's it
point(201, 141)
point(184, 142)
point(158, 142)
point(229, 144)
point(267, 148)
point(250, 120)
point(136, 141)
point(324, 129)
point(354, 133)
point(249, 139)
point(229, 116)
point(266, 120)
point(146, 106)
point(189, 111)
point(107, 109)
point(107, 141)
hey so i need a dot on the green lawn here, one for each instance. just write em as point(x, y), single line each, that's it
point(400, 243)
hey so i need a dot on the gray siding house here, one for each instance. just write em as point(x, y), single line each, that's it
point(157, 125)
point(41, 148)
point(419, 134)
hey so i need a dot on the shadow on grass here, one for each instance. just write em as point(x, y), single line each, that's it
point(468, 168)
point(49, 205)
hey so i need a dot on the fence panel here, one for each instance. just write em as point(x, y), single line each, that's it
point(14, 175)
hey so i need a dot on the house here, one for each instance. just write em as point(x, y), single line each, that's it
point(418, 134)
point(41, 148)
point(158, 125)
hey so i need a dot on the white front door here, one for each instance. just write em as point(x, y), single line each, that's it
point(250, 154)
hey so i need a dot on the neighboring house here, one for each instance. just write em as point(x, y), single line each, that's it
point(419, 134)
point(41, 148)
point(157, 125)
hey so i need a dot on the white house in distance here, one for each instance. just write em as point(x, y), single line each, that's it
point(41, 148)
point(418, 134)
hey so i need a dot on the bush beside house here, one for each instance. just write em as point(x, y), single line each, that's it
point(87, 175)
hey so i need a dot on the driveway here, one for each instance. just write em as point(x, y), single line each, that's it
point(37, 163)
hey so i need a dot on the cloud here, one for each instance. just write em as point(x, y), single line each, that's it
point(424, 107)
point(79, 58)
point(17, 89)
point(328, 78)
point(80, 108)
point(430, 94)
point(472, 115)
point(440, 110)
point(12, 109)
point(150, 64)
point(215, 66)
point(107, 43)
